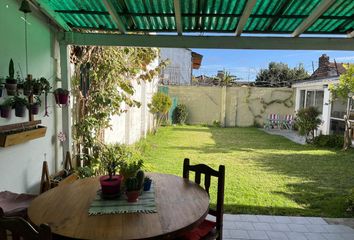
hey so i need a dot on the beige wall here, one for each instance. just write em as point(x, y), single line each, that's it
point(233, 106)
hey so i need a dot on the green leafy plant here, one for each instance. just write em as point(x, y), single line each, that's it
point(159, 106)
point(112, 157)
point(130, 168)
point(20, 101)
point(307, 120)
point(328, 141)
point(84, 172)
point(110, 89)
point(9, 102)
point(344, 90)
point(180, 114)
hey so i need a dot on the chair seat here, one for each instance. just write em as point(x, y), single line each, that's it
point(204, 231)
point(14, 204)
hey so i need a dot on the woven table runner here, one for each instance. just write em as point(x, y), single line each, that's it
point(145, 204)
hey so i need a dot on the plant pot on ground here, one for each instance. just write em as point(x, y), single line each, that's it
point(6, 107)
point(61, 96)
point(20, 105)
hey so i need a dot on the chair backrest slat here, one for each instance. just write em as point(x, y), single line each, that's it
point(208, 172)
point(20, 228)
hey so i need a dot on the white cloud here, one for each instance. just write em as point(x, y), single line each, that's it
point(345, 58)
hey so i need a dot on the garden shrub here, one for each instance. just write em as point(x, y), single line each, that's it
point(330, 141)
point(350, 201)
point(307, 120)
point(160, 105)
point(180, 114)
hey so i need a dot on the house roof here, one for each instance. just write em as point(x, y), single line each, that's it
point(287, 17)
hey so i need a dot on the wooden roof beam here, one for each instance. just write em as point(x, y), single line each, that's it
point(115, 16)
point(245, 15)
point(322, 7)
point(178, 16)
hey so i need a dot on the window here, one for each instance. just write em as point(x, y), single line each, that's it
point(312, 98)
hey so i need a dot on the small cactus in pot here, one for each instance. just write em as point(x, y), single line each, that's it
point(132, 189)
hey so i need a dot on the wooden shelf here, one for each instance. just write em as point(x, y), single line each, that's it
point(19, 133)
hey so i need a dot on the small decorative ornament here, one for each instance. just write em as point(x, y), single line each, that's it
point(61, 137)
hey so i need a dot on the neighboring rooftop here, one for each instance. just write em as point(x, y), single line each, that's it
point(327, 69)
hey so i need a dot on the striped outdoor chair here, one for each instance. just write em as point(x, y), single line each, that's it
point(273, 121)
point(288, 122)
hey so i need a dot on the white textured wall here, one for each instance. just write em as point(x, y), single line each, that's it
point(180, 65)
point(20, 165)
point(133, 125)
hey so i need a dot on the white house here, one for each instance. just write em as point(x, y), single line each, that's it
point(315, 92)
point(182, 61)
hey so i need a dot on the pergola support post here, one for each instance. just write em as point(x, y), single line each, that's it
point(65, 83)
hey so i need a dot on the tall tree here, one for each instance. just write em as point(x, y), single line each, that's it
point(345, 90)
point(279, 74)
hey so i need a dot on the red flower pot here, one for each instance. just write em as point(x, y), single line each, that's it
point(132, 196)
point(61, 98)
point(110, 187)
point(5, 112)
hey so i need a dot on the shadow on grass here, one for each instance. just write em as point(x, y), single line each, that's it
point(326, 175)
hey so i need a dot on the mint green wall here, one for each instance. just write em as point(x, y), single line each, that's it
point(20, 165)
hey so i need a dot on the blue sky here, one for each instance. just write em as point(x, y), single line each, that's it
point(246, 63)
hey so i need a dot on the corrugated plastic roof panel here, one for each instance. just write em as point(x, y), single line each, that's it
point(267, 16)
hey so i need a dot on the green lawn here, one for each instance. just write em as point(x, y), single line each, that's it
point(265, 174)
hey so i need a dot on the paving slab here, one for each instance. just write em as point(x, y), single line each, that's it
point(264, 227)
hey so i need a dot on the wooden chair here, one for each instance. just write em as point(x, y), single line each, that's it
point(208, 172)
point(21, 229)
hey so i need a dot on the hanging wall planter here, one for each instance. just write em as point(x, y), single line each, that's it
point(11, 82)
point(20, 105)
point(61, 96)
point(34, 108)
point(6, 107)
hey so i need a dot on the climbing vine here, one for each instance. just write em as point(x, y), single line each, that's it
point(109, 92)
point(287, 102)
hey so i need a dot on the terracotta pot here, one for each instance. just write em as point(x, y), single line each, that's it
point(34, 108)
point(20, 110)
point(110, 187)
point(132, 196)
point(61, 98)
point(6, 112)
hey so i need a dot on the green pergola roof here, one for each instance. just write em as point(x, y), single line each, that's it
point(204, 16)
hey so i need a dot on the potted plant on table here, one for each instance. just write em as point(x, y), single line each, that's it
point(6, 107)
point(20, 104)
point(61, 96)
point(11, 82)
point(111, 183)
point(147, 183)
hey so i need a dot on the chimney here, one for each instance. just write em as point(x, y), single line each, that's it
point(323, 62)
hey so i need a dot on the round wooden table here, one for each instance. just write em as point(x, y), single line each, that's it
point(181, 206)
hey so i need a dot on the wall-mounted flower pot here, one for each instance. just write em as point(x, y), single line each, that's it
point(61, 98)
point(34, 108)
point(20, 110)
point(11, 86)
point(5, 111)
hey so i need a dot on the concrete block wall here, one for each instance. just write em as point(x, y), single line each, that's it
point(233, 106)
